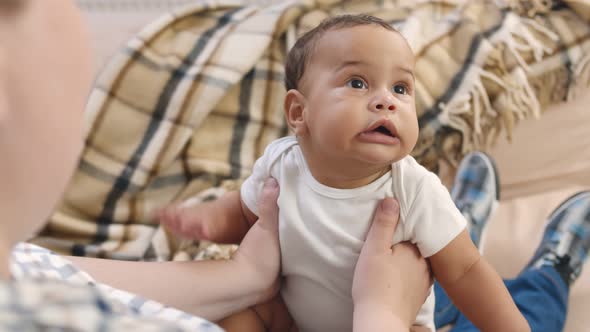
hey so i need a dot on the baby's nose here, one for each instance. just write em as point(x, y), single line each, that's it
point(388, 106)
point(380, 103)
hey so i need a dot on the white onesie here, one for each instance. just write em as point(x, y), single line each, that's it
point(322, 230)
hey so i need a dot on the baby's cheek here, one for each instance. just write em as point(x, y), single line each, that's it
point(411, 133)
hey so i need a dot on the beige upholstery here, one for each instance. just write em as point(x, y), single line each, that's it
point(548, 160)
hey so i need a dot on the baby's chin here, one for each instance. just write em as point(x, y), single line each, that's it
point(382, 162)
point(385, 155)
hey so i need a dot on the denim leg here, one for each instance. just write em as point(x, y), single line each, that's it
point(542, 296)
point(539, 293)
point(445, 312)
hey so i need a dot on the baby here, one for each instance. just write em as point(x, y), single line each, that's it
point(350, 103)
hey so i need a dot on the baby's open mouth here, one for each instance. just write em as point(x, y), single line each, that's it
point(383, 130)
point(383, 126)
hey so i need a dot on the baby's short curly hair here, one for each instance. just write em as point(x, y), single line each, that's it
point(301, 52)
point(12, 6)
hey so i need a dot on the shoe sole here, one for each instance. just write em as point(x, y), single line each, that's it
point(490, 163)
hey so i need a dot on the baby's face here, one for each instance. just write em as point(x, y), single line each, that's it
point(359, 91)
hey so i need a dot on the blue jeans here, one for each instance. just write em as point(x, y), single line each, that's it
point(540, 294)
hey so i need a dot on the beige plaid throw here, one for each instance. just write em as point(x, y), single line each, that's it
point(190, 103)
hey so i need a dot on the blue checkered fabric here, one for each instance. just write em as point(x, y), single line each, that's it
point(566, 240)
point(51, 305)
point(476, 192)
point(49, 293)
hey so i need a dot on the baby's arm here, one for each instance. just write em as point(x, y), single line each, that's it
point(475, 287)
point(224, 220)
point(227, 219)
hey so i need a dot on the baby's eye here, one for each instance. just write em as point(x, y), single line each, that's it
point(401, 89)
point(356, 83)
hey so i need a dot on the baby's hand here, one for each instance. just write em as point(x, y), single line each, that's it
point(221, 220)
point(188, 219)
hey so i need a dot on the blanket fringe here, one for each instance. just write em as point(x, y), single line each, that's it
point(581, 74)
point(520, 38)
point(528, 8)
point(478, 112)
point(475, 101)
point(517, 102)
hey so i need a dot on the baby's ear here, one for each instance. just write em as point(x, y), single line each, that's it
point(294, 112)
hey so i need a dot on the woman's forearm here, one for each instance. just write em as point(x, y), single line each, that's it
point(209, 289)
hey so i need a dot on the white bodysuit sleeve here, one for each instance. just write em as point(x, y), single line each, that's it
point(252, 186)
point(433, 220)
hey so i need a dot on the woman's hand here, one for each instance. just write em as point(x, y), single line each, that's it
point(390, 283)
point(259, 251)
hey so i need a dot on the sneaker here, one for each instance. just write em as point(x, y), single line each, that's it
point(476, 191)
point(566, 240)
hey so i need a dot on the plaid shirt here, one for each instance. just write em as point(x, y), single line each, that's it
point(50, 293)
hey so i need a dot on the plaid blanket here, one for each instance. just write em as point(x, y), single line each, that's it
point(189, 104)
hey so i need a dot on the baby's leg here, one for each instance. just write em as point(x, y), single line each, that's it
point(221, 220)
point(269, 316)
